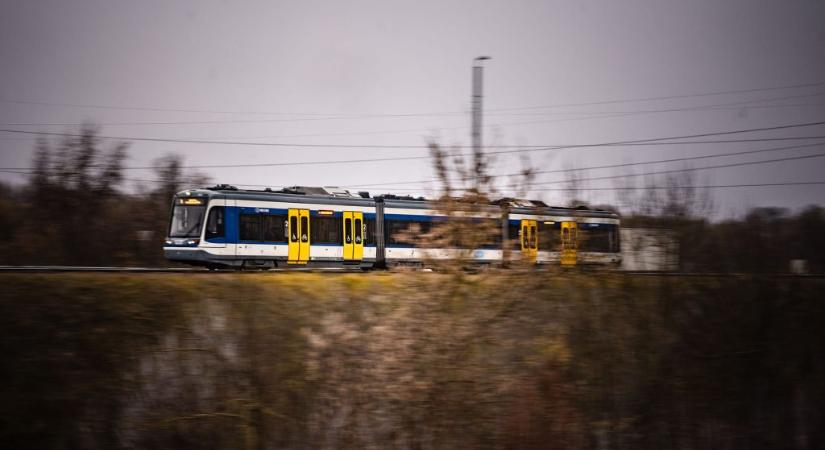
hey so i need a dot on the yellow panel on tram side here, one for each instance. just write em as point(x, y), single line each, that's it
point(298, 228)
point(529, 240)
point(349, 245)
point(305, 234)
point(294, 236)
point(569, 243)
point(359, 231)
point(523, 239)
point(354, 231)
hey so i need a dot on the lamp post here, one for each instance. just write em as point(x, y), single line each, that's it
point(478, 73)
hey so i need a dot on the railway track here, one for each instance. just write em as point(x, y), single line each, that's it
point(196, 270)
point(100, 269)
point(115, 269)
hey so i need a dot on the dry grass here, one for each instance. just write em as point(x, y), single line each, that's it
point(501, 359)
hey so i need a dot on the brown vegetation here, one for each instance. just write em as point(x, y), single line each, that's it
point(501, 360)
point(74, 209)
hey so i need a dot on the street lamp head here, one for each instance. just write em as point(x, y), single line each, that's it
point(482, 58)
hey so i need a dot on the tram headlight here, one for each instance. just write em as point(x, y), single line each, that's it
point(192, 242)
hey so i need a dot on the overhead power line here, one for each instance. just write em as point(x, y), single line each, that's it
point(564, 146)
point(214, 122)
point(666, 97)
point(300, 145)
point(635, 113)
point(152, 109)
point(606, 166)
point(368, 160)
point(237, 112)
point(591, 115)
point(588, 115)
point(658, 141)
point(231, 166)
point(182, 179)
point(643, 188)
point(687, 169)
point(737, 106)
point(715, 186)
point(140, 180)
point(747, 104)
point(620, 188)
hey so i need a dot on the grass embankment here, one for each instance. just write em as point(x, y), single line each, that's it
point(497, 360)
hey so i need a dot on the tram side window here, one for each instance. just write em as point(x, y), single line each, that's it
point(293, 229)
point(550, 236)
point(396, 232)
point(215, 227)
point(613, 237)
point(304, 226)
point(326, 230)
point(513, 235)
point(490, 231)
point(369, 236)
point(592, 239)
point(274, 228)
point(421, 228)
point(250, 227)
point(406, 232)
point(479, 233)
point(357, 228)
point(526, 237)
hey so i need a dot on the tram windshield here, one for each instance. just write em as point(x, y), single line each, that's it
point(187, 220)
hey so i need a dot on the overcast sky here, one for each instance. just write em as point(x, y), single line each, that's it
point(399, 73)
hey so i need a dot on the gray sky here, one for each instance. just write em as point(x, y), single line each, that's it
point(315, 69)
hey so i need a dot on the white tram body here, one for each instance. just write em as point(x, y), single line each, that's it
point(302, 226)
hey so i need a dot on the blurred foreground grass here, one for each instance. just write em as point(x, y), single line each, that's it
point(411, 360)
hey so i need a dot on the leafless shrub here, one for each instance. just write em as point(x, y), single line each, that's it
point(468, 219)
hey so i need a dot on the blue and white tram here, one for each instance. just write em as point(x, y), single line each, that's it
point(322, 227)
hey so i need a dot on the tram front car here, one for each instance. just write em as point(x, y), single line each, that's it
point(187, 236)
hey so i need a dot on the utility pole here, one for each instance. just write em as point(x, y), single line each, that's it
point(478, 73)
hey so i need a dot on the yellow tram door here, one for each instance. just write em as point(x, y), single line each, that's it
point(529, 240)
point(359, 229)
point(298, 228)
point(353, 236)
point(569, 243)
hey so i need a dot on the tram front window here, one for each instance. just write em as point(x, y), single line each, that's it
point(187, 221)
